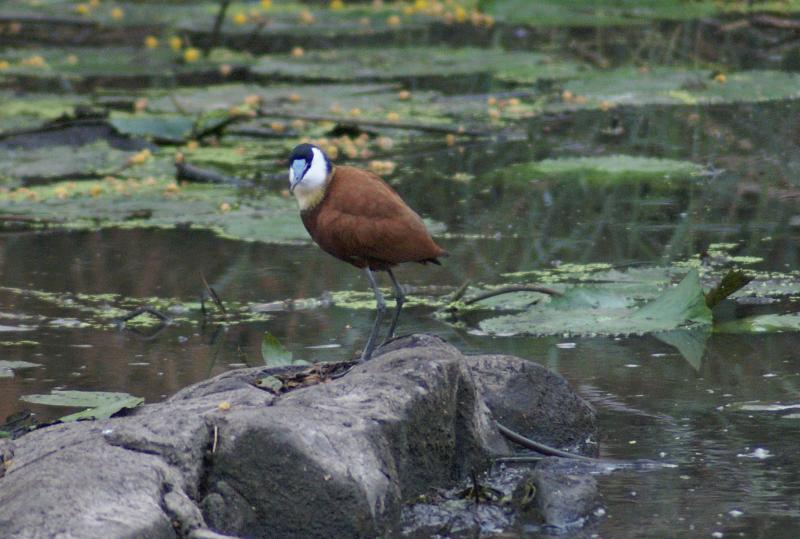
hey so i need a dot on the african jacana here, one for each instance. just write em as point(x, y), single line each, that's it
point(355, 216)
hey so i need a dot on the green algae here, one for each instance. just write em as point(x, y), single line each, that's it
point(765, 323)
point(104, 311)
point(353, 299)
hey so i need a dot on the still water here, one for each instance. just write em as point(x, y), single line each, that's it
point(738, 472)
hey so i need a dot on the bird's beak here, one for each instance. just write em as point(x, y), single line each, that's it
point(298, 168)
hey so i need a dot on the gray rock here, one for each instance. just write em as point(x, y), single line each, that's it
point(205, 533)
point(334, 459)
point(536, 402)
point(566, 492)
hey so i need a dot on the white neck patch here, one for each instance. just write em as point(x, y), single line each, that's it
point(310, 190)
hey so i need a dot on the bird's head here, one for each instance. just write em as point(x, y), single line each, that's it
point(308, 170)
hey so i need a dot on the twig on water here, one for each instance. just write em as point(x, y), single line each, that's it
point(138, 311)
point(215, 32)
point(459, 293)
point(511, 290)
point(213, 295)
point(527, 443)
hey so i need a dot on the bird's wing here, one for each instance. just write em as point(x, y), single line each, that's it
point(368, 219)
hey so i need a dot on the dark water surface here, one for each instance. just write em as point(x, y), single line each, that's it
point(738, 472)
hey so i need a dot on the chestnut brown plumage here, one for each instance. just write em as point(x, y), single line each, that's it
point(355, 216)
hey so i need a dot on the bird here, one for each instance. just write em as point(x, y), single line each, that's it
point(354, 215)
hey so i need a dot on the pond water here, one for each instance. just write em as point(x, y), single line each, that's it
point(737, 469)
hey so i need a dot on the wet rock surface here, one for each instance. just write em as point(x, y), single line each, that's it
point(339, 458)
point(566, 492)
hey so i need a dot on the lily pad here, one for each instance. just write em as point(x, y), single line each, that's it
point(98, 404)
point(595, 13)
point(674, 86)
point(609, 168)
point(677, 307)
point(167, 128)
point(109, 63)
point(7, 368)
point(159, 203)
point(30, 111)
point(400, 63)
point(95, 159)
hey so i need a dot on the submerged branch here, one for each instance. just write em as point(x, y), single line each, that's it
point(213, 295)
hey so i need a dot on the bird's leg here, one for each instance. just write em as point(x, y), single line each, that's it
point(381, 308)
point(399, 298)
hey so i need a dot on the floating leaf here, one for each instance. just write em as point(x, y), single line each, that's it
point(675, 86)
point(56, 162)
point(757, 407)
point(98, 404)
point(270, 383)
point(593, 14)
point(7, 368)
point(132, 203)
point(161, 127)
point(679, 306)
point(393, 63)
point(109, 66)
point(273, 353)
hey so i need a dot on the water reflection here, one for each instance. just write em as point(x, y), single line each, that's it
point(653, 403)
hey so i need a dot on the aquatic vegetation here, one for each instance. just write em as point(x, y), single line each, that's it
point(610, 168)
point(98, 404)
point(7, 368)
